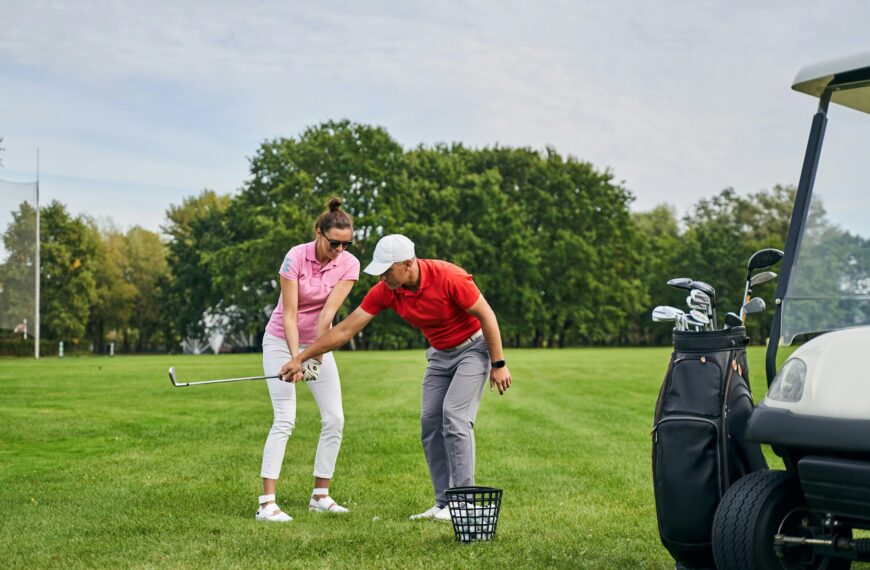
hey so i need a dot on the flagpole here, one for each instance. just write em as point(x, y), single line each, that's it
point(36, 335)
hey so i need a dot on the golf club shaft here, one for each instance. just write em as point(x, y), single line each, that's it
point(745, 294)
point(226, 380)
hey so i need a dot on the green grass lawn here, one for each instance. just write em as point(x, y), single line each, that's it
point(104, 464)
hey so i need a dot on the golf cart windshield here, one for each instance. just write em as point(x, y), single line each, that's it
point(829, 288)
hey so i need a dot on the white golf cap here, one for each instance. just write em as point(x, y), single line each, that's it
point(389, 250)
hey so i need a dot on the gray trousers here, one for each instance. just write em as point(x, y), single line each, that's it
point(452, 389)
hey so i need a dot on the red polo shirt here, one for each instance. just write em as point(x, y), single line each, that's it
point(438, 307)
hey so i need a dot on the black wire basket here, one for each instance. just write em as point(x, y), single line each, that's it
point(474, 512)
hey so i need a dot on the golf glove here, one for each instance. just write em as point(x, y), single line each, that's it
point(310, 370)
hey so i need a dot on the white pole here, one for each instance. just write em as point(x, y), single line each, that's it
point(36, 323)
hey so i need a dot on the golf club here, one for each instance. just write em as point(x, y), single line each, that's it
point(760, 278)
point(759, 260)
point(178, 384)
point(689, 284)
point(764, 258)
point(707, 289)
point(732, 320)
point(680, 282)
point(755, 305)
point(693, 322)
point(694, 304)
point(664, 313)
point(700, 317)
point(701, 300)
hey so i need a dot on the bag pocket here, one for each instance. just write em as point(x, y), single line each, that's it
point(686, 478)
point(695, 387)
point(746, 456)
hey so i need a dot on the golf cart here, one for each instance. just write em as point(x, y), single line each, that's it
point(816, 415)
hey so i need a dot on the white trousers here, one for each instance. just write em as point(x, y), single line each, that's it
point(327, 393)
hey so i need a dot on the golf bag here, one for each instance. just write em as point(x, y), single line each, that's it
point(698, 445)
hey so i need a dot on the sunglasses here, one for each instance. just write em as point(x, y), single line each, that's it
point(335, 244)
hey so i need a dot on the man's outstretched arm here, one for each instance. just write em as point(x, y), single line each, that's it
point(336, 337)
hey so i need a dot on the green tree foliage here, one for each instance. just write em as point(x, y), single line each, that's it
point(128, 308)
point(113, 307)
point(831, 279)
point(196, 229)
point(148, 269)
point(549, 239)
point(577, 248)
point(18, 271)
point(659, 250)
point(291, 181)
point(69, 256)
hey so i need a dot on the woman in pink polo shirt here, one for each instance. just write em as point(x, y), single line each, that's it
point(316, 277)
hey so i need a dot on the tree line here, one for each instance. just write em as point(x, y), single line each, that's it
point(550, 240)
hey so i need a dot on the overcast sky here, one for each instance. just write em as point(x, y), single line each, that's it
point(136, 105)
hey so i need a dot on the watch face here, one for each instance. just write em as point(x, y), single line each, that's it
point(498, 364)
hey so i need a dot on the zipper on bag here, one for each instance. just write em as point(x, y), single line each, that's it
point(732, 365)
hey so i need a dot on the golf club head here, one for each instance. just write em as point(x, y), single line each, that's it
point(665, 313)
point(762, 277)
point(755, 305)
point(764, 258)
point(733, 320)
point(699, 297)
point(172, 376)
point(681, 282)
point(693, 304)
point(699, 316)
point(691, 321)
point(704, 288)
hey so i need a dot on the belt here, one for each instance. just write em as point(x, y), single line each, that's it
point(465, 342)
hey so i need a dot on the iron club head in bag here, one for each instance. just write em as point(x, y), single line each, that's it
point(710, 292)
point(700, 300)
point(690, 284)
point(664, 313)
point(700, 317)
point(696, 319)
point(755, 305)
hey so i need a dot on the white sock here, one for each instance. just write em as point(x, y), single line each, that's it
point(320, 492)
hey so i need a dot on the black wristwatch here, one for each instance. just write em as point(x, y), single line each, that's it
point(499, 364)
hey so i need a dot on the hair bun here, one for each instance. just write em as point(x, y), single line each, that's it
point(334, 204)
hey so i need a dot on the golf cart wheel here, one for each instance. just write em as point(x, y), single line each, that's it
point(756, 508)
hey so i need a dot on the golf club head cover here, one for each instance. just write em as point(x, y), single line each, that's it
point(310, 370)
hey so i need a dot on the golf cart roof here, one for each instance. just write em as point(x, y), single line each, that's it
point(839, 74)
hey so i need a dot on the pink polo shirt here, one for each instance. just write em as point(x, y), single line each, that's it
point(315, 285)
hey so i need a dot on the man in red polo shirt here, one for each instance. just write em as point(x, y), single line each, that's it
point(441, 300)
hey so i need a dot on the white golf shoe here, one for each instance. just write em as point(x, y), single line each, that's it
point(325, 505)
point(271, 512)
point(430, 514)
point(443, 515)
